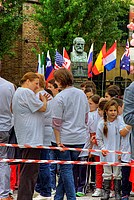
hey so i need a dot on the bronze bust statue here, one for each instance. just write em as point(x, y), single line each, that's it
point(79, 58)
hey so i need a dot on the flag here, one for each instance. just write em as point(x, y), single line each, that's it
point(98, 66)
point(59, 61)
point(49, 68)
point(109, 60)
point(125, 60)
point(90, 62)
point(67, 62)
point(40, 69)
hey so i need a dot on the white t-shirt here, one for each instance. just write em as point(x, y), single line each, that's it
point(125, 143)
point(27, 119)
point(7, 91)
point(71, 106)
point(47, 120)
point(111, 142)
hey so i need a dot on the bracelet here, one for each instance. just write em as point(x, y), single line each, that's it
point(127, 129)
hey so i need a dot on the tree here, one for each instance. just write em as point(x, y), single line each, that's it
point(11, 19)
point(96, 21)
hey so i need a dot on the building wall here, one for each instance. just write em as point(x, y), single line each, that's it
point(25, 60)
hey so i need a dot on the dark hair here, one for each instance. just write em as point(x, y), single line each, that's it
point(106, 107)
point(88, 83)
point(119, 101)
point(29, 75)
point(52, 81)
point(112, 92)
point(49, 92)
point(102, 104)
point(64, 77)
point(95, 98)
point(115, 87)
point(88, 89)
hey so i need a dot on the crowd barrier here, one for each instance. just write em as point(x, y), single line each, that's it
point(62, 161)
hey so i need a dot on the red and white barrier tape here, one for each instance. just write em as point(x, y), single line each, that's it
point(60, 148)
point(66, 162)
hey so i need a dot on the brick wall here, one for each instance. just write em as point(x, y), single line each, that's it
point(25, 60)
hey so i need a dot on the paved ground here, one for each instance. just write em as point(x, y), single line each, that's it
point(87, 197)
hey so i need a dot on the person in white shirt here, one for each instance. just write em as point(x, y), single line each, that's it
point(7, 91)
point(108, 138)
point(27, 109)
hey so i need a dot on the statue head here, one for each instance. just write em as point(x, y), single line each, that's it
point(79, 43)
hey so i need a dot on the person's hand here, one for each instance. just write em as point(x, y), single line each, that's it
point(45, 97)
point(104, 153)
point(62, 146)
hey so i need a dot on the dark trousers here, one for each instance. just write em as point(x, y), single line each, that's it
point(126, 184)
point(43, 185)
point(28, 174)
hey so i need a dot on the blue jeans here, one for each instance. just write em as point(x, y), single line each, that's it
point(66, 179)
point(4, 167)
point(53, 169)
point(43, 185)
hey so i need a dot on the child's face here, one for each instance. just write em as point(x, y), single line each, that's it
point(112, 113)
point(100, 112)
point(107, 96)
point(120, 110)
point(89, 94)
point(93, 106)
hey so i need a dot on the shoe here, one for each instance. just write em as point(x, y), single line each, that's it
point(80, 194)
point(97, 193)
point(112, 193)
point(39, 197)
point(7, 198)
point(53, 192)
point(125, 197)
point(132, 194)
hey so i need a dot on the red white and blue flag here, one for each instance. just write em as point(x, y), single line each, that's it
point(109, 59)
point(49, 68)
point(125, 60)
point(90, 62)
point(67, 62)
point(59, 61)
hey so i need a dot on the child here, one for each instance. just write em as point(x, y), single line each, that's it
point(84, 171)
point(108, 138)
point(99, 168)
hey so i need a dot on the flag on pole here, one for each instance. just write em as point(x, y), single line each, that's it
point(41, 63)
point(67, 62)
point(125, 60)
point(59, 60)
point(98, 66)
point(49, 68)
point(109, 60)
point(90, 62)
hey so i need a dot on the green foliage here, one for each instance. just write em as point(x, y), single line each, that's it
point(96, 21)
point(10, 21)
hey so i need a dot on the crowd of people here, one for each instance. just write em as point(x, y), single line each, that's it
point(58, 114)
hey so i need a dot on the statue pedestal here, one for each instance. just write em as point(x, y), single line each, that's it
point(79, 69)
point(80, 72)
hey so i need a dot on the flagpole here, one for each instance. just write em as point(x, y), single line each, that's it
point(102, 84)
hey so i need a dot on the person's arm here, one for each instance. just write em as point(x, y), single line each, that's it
point(100, 142)
point(125, 130)
point(128, 112)
point(56, 123)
